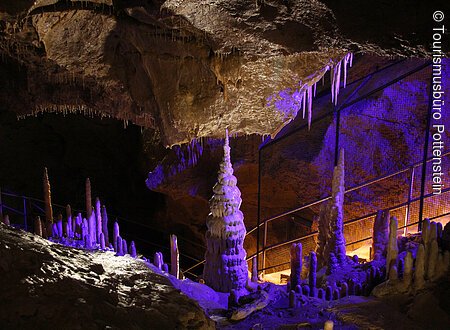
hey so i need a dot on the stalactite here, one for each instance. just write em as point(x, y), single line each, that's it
point(88, 199)
point(296, 264)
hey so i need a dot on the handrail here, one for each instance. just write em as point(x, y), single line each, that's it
point(365, 184)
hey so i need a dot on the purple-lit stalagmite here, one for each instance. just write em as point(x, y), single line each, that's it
point(331, 246)
point(98, 218)
point(296, 265)
point(380, 235)
point(105, 225)
point(225, 265)
point(174, 257)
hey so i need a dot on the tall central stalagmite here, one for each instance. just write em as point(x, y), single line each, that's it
point(225, 266)
point(331, 246)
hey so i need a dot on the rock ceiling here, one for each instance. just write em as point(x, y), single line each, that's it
point(189, 68)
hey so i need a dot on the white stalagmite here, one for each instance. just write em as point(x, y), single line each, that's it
point(392, 249)
point(174, 257)
point(331, 246)
point(380, 235)
point(225, 264)
point(408, 270)
point(92, 228)
point(419, 272)
point(98, 218)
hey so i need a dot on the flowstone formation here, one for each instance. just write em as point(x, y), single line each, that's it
point(331, 245)
point(225, 264)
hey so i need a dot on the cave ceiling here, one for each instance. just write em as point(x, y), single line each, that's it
point(189, 69)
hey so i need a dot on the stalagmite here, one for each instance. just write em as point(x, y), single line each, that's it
point(320, 293)
point(55, 230)
point(329, 293)
point(426, 231)
point(312, 273)
point(6, 220)
point(393, 273)
point(296, 264)
point(432, 261)
point(116, 234)
point(38, 226)
point(419, 272)
point(98, 218)
point(124, 246)
point(133, 253)
point(225, 265)
point(392, 249)
point(102, 241)
point(344, 290)
point(84, 228)
point(380, 235)
point(88, 199)
point(439, 230)
point(292, 299)
point(408, 270)
point(329, 325)
point(331, 246)
point(87, 242)
point(59, 223)
point(119, 251)
point(433, 233)
point(254, 277)
point(174, 257)
point(158, 260)
point(92, 227)
point(105, 224)
point(77, 227)
point(69, 221)
point(48, 202)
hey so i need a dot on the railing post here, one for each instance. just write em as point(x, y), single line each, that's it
point(263, 260)
point(258, 219)
point(410, 192)
point(1, 205)
point(25, 213)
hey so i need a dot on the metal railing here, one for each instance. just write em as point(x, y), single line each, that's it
point(33, 207)
point(411, 169)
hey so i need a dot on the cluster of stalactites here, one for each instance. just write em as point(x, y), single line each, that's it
point(289, 103)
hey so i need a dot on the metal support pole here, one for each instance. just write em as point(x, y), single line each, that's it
point(425, 156)
point(263, 260)
point(1, 205)
point(410, 192)
point(258, 220)
point(25, 214)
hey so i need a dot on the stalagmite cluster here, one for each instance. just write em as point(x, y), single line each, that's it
point(424, 261)
point(225, 264)
point(331, 241)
